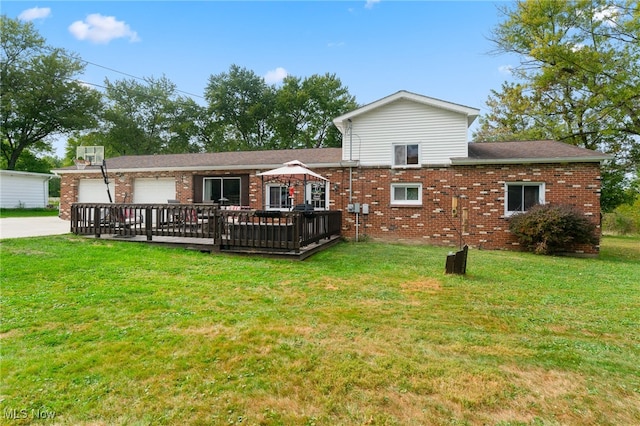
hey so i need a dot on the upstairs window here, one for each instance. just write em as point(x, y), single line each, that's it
point(406, 155)
point(520, 196)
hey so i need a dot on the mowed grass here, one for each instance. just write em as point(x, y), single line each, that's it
point(28, 212)
point(103, 333)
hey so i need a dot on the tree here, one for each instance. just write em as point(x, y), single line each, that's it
point(149, 118)
point(305, 110)
point(240, 103)
point(249, 114)
point(40, 97)
point(578, 78)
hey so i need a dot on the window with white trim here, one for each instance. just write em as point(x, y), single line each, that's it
point(521, 196)
point(317, 195)
point(406, 155)
point(406, 194)
point(277, 197)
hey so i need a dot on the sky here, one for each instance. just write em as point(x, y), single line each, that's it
point(439, 49)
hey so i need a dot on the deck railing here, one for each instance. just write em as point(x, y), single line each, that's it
point(229, 229)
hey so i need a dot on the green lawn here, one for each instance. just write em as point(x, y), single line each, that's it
point(28, 212)
point(103, 332)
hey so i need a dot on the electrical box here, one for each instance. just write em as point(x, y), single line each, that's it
point(356, 207)
point(350, 208)
point(365, 209)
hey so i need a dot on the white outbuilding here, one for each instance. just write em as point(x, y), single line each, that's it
point(24, 189)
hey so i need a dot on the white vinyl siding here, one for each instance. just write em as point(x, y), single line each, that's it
point(22, 189)
point(441, 134)
point(154, 191)
point(94, 191)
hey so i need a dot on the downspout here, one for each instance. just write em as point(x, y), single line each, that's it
point(350, 159)
point(351, 176)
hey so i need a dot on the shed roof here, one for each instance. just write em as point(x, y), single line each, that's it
point(43, 176)
point(546, 151)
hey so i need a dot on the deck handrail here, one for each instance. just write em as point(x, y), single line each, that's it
point(245, 228)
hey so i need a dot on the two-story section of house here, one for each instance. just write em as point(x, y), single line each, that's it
point(419, 179)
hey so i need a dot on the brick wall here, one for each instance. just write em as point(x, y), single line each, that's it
point(478, 219)
point(479, 194)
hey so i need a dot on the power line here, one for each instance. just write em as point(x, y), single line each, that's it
point(63, 52)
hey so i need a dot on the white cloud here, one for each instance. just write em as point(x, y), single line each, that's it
point(577, 47)
point(336, 44)
point(506, 69)
point(370, 3)
point(607, 15)
point(35, 13)
point(275, 76)
point(102, 29)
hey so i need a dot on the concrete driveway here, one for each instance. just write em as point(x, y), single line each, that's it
point(19, 227)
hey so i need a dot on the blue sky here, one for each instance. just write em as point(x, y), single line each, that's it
point(435, 48)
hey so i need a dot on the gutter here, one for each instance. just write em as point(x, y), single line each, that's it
point(190, 168)
point(488, 161)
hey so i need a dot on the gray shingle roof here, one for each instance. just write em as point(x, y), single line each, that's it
point(479, 153)
point(223, 160)
point(527, 152)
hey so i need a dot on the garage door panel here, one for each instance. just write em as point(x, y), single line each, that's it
point(153, 191)
point(94, 191)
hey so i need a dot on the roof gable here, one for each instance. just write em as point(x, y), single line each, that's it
point(471, 113)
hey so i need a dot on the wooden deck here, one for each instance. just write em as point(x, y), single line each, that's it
point(208, 228)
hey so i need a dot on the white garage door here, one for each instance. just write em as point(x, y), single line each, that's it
point(94, 191)
point(151, 191)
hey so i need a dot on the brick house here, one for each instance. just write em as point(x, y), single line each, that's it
point(405, 172)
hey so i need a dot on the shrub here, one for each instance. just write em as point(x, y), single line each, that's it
point(624, 220)
point(548, 229)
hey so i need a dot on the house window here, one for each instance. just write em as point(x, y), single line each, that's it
point(278, 197)
point(406, 194)
point(317, 195)
point(406, 155)
point(520, 196)
point(220, 188)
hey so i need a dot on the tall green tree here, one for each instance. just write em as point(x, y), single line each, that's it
point(149, 117)
point(241, 103)
point(578, 80)
point(39, 95)
point(249, 114)
point(305, 109)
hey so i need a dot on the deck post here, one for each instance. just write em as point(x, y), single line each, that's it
point(148, 222)
point(296, 231)
point(96, 221)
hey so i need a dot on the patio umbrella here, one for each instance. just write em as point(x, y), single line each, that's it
point(292, 171)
